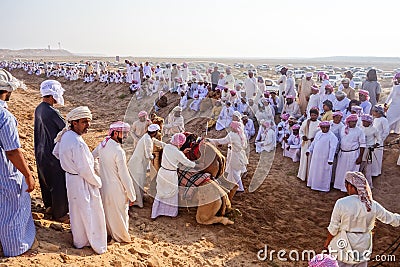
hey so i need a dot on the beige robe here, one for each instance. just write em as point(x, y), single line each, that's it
point(117, 189)
point(304, 93)
point(138, 129)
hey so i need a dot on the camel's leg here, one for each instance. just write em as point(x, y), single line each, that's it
point(214, 219)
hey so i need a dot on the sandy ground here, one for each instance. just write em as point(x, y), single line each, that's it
point(282, 214)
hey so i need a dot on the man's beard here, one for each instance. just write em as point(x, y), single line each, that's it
point(120, 140)
point(7, 97)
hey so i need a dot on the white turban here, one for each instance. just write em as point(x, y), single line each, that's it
point(309, 74)
point(53, 88)
point(237, 114)
point(8, 82)
point(81, 112)
point(177, 108)
point(153, 127)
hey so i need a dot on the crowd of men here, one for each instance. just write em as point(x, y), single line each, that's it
point(336, 134)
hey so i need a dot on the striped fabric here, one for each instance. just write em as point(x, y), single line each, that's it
point(17, 230)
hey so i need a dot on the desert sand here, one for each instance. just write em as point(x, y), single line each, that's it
point(282, 214)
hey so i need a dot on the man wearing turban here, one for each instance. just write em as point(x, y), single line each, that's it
point(117, 190)
point(17, 230)
point(166, 199)
point(86, 211)
point(305, 91)
point(353, 220)
point(139, 162)
point(324, 148)
point(175, 122)
point(139, 127)
point(48, 123)
point(352, 145)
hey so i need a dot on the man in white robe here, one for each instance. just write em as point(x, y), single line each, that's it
point(175, 122)
point(250, 86)
point(88, 224)
point(225, 117)
point(382, 125)
point(249, 129)
point(372, 140)
point(236, 160)
point(117, 190)
point(291, 107)
point(282, 87)
point(139, 127)
point(308, 130)
point(166, 199)
point(324, 147)
point(147, 70)
point(140, 160)
point(229, 79)
point(352, 145)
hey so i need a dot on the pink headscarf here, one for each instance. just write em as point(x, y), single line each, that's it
point(323, 260)
point(351, 117)
point(357, 109)
point(364, 191)
point(296, 127)
point(337, 113)
point(364, 92)
point(324, 124)
point(233, 93)
point(116, 126)
point(289, 97)
point(314, 88)
point(285, 116)
point(266, 125)
point(329, 87)
point(142, 114)
point(237, 128)
point(367, 117)
point(178, 139)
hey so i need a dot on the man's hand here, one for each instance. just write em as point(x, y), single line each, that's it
point(359, 160)
point(307, 153)
point(30, 182)
point(186, 150)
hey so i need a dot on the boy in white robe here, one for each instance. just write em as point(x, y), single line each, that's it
point(382, 125)
point(352, 146)
point(266, 139)
point(291, 107)
point(314, 98)
point(140, 160)
point(117, 189)
point(342, 102)
point(225, 117)
point(195, 105)
point(372, 140)
point(308, 130)
point(324, 147)
point(88, 224)
point(183, 101)
point(292, 145)
point(249, 129)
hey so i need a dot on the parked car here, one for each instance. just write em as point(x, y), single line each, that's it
point(335, 79)
point(357, 82)
point(298, 74)
point(270, 85)
point(387, 75)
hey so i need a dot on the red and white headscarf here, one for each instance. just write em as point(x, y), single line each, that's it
point(324, 124)
point(142, 114)
point(367, 117)
point(116, 126)
point(238, 128)
point(178, 139)
point(351, 117)
point(364, 191)
point(364, 93)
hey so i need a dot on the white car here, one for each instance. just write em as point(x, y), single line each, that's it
point(298, 74)
point(357, 82)
point(270, 85)
point(387, 75)
point(335, 79)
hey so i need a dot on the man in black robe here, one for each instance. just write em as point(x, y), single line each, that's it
point(48, 123)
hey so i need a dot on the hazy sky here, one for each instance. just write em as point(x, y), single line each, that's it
point(204, 28)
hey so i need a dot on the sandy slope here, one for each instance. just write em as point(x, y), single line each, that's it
point(283, 213)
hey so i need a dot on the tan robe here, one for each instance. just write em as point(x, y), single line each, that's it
point(138, 129)
point(304, 93)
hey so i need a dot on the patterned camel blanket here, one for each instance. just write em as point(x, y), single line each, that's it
point(188, 180)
